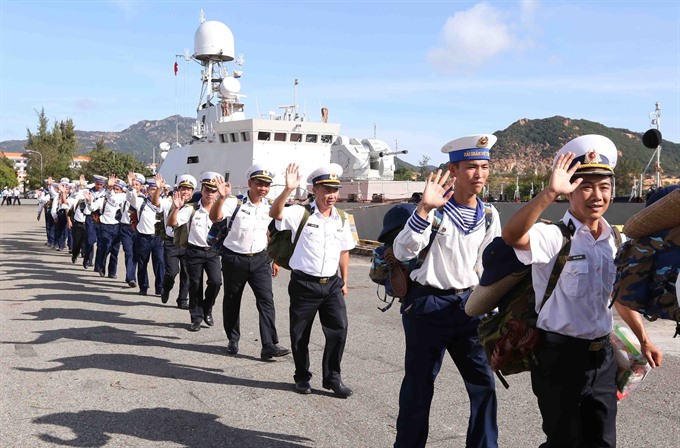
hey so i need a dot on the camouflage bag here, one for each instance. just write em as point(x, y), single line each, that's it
point(509, 337)
point(647, 274)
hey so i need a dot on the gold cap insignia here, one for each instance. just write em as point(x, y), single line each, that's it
point(265, 172)
point(592, 156)
point(333, 176)
point(482, 142)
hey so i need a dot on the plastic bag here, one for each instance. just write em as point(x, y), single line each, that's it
point(633, 366)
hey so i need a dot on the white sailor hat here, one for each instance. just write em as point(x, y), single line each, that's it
point(151, 182)
point(326, 175)
point(472, 147)
point(89, 186)
point(64, 180)
point(99, 179)
point(120, 184)
point(596, 153)
point(140, 178)
point(207, 179)
point(186, 180)
point(259, 171)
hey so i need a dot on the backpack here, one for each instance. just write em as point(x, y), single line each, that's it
point(281, 244)
point(379, 272)
point(510, 337)
point(219, 230)
point(181, 236)
point(647, 274)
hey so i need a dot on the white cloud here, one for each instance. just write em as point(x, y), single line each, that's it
point(472, 37)
point(528, 9)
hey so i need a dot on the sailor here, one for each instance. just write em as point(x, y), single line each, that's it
point(108, 236)
point(128, 227)
point(200, 257)
point(432, 311)
point(148, 243)
point(79, 211)
point(91, 226)
point(174, 254)
point(44, 204)
point(58, 212)
point(315, 286)
point(245, 259)
point(575, 376)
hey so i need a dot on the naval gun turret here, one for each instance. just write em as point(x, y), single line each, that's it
point(370, 159)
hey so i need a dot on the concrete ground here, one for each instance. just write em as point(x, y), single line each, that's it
point(85, 361)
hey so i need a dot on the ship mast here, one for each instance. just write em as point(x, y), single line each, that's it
point(655, 122)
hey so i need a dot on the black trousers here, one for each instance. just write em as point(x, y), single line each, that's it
point(79, 240)
point(576, 391)
point(255, 270)
point(199, 260)
point(307, 297)
point(175, 264)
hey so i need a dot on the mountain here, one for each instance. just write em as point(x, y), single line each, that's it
point(529, 145)
point(524, 147)
point(140, 139)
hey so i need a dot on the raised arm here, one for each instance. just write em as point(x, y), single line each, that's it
point(292, 182)
point(516, 230)
point(177, 203)
point(223, 190)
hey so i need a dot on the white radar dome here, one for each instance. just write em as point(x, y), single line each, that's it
point(229, 86)
point(213, 41)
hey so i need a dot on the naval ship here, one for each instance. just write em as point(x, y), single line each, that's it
point(224, 140)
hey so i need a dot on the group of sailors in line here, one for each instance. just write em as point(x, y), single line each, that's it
point(10, 196)
point(574, 381)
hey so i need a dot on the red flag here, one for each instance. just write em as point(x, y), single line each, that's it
point(176, 68)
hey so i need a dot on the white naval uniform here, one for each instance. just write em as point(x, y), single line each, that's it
point(579, 305)
point(113, 203)
point(248, 233)
point(323, 239)
point(146, 218)
point(198, 227)
point(455, 259)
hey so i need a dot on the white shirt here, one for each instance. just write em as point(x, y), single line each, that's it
point(198, 227)
point(455, 258)
point(109, 204)
point(57, 204)
point(322, 240)
point(146, 218)
point(43, 199)
point(248, 234)
point(77, 203)
point(579, 305)
point(166, 207)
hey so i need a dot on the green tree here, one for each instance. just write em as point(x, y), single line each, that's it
point(627, 172)
point(56, 147)
point(105, 162)
point(8, 177)
point(424, 165)
point(403, 174)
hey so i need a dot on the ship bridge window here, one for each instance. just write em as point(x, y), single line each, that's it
point(223, 138)
point(296, 138)
point(192, 159)
point(245, 136)
point(326, 138)
point(279, 136)
point(234, 137)
point(264, 136)
point(311, 138)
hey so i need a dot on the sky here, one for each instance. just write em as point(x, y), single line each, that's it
point(415, 74)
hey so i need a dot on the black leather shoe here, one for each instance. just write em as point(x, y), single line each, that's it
point(101, 273)
point(165, 296)
point(132, 284)
point(339, 389)
point(303, 387)
point(183, 305)
point(73, 260)
point(143, 292)
point(272, 351)
point(112, 275)
point(209, 320)
point(195, 326)
point(232, 347)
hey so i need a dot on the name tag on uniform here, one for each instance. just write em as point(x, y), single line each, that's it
point(316, 226)
point(576, 257)
point(245, 211)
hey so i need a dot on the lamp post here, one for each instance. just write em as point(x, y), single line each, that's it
point(41, 165)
